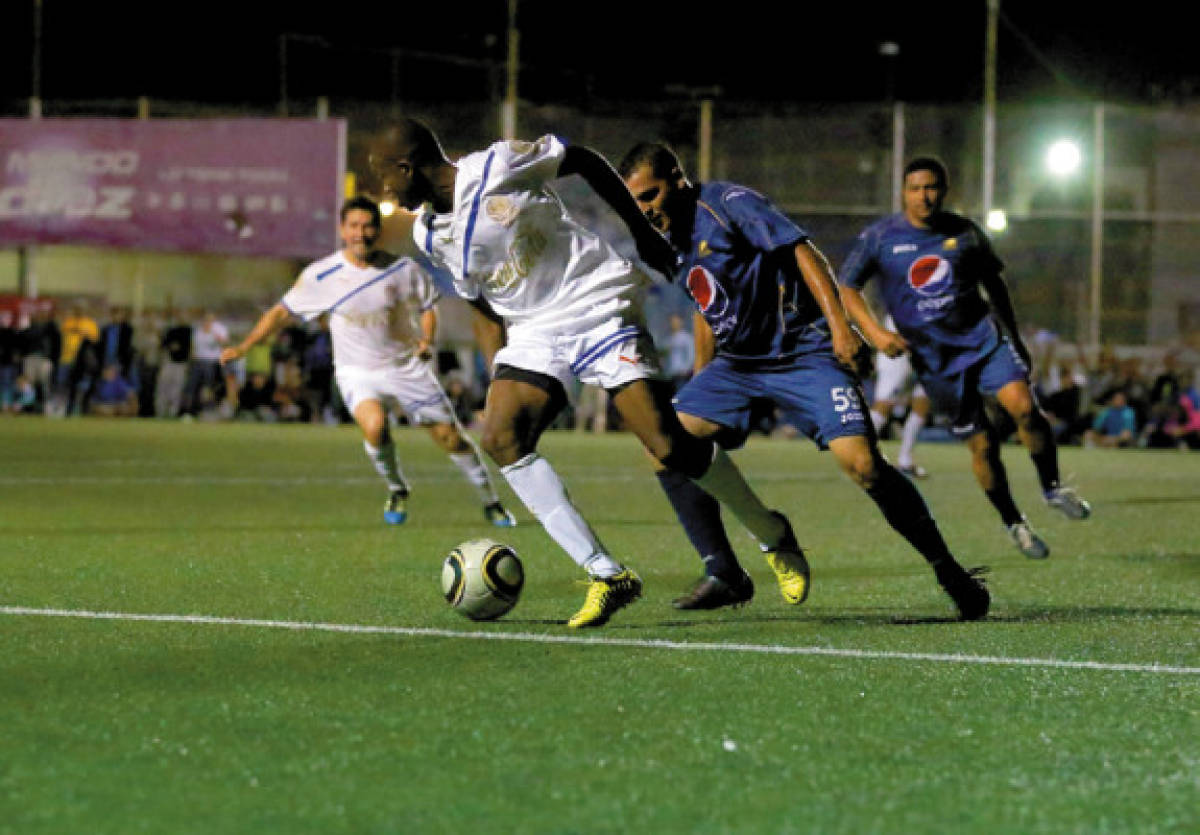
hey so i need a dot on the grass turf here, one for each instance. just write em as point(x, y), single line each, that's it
point(126, 726)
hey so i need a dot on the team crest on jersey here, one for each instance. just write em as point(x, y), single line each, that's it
point(500, 209)
point(950, 243)
point(704, 249)
point(929, 275)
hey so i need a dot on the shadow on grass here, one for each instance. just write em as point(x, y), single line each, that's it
point(1151, 500)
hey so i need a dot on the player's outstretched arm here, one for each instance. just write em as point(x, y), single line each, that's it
point(654, 249)
point(1001, 301)
point(818, 276)
point(268, 324)
point(860, 314)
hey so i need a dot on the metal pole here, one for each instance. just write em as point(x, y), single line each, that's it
point(283, 87)
point(35, 89)
point(508, 109)
point(989, 107)
point(897, 155)
point(1097, 261)
point(704, 165)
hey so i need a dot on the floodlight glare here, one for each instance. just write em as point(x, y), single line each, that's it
point(1063, 158)
point(387, 208)
point(997, 220)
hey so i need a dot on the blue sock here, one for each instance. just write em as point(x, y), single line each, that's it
point(909, 516)
point(700, 515)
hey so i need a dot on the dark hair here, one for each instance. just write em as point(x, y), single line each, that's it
point(658, 155)
point(931, 164)
point(361, 203)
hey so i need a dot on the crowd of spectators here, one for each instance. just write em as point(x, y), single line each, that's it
point(164, 364)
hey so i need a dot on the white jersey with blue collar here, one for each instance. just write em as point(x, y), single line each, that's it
point(509, 239)
point(374, 311)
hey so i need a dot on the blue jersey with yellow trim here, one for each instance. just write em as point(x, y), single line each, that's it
point(929, 281)
point(741, 271)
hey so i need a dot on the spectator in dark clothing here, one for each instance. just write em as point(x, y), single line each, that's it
point(256, 398)
point(112, 395)
point(116, 342)
point(41, 343)
point(10, 355)
point(318, 371)
point(172, 372)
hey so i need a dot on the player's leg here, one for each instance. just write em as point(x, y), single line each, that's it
point(372, 419)
point(1034, 430)
point(918, 416)
point(990, 473)
point(466, 456)
point(905, 510)
point(725, 582)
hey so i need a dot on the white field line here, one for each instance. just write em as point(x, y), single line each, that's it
point(538, 638)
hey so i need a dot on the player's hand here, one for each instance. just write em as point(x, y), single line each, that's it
point(846, 345)
point(228, 355)
point(425, 350)
point(659, 253)
point(891, 343)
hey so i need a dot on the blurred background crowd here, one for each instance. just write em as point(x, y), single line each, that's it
point(164, 364)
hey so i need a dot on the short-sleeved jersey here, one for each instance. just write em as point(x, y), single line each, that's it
point(509, 239)
point(740, 269)
point(929, 282)
point(374, 311)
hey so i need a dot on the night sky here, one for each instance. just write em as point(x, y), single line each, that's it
point(228, 52)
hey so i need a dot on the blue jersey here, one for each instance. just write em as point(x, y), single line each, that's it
point(929, 281)
point(741, 271)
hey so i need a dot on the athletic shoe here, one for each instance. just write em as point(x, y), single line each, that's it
point(1068, 502)
point(396, 509)
point(967, 589)
point(498, 516)
point(787, 560)
point(605, 595)
point(1027, 541)
point(914, 471)
point(713, 593)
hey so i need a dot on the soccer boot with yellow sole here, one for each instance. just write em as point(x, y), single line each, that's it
point(789, 564)
point(605, 595)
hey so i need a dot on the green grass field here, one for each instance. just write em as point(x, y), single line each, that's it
point(1075, 707)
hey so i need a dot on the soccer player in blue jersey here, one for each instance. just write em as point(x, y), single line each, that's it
point(773, 329)
point(931, 265)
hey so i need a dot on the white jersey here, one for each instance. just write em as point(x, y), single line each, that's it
point(375, 311)
point(509, 239)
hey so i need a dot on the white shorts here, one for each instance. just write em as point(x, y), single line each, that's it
point(412, 388)
point(894, 378)
point(609, 355)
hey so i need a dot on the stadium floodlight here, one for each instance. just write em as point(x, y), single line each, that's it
point(1064, 158)
point(387, 208)
point(997, 220)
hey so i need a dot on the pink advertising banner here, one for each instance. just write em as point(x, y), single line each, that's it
point(237, 187)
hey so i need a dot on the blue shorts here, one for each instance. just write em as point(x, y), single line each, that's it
point(814, 393)
point(960, 395)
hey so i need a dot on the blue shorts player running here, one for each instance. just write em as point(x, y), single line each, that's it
point(931, 265)
point(774, 328)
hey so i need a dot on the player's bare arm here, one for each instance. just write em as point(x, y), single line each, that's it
point(397, 233)
point(880, 338)
point(654, 249)
point(818, 276)
point(706, 344)
point(487, 327)
point(429, 323)
point(267, 325)
point(1001, 302)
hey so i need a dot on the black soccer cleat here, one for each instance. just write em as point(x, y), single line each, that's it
point(967, 589)
point(713, 593)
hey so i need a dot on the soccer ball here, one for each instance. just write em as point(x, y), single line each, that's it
point(482, 579)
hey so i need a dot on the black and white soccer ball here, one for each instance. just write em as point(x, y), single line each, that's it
point(482, 579)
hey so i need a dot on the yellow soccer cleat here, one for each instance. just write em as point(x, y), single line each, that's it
point(605, 595)
point(789, 565)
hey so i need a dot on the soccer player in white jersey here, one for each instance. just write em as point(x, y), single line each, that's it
point(384, 324)
point(571, 305)
point(895, 379)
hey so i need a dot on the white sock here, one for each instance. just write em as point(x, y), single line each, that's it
point(384, 460)
point(540, 489)
point(880, 421)
point(725, 483)
point(908, 439)
point(475, 470)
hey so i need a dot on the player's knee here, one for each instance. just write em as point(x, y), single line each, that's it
point(684, 454)
point(500, 444)
point(862, 468)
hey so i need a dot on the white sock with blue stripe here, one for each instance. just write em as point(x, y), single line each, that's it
point(383, 459)
point(542, 491)
point(473, 468)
